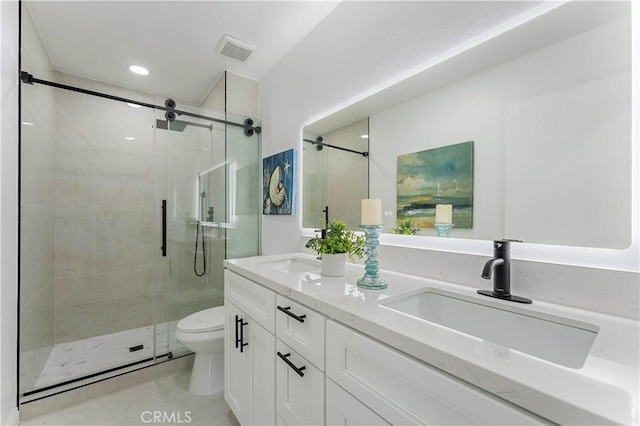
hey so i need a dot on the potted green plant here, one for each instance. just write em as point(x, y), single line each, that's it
point(338, 243)
point(405, 227)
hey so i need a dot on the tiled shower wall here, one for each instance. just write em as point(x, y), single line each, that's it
point(104, 186)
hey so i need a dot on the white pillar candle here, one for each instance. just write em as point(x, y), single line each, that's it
point(371, 212)
point(444, 213)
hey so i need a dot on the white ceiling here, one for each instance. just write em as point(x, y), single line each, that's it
point(175, 40)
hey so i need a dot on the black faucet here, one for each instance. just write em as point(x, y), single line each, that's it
point(500, 267)
point(323, 231)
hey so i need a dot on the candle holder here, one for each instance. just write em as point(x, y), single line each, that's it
point(371, 280)
point(443, 228)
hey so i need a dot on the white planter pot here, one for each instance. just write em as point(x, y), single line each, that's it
point(333, 265)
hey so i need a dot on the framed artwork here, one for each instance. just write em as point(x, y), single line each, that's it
point(436, 176)
point(279, 183)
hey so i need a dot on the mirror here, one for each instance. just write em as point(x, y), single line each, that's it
point(548, 108)
point(336, 172)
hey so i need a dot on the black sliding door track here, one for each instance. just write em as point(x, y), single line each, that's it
point(27, 78)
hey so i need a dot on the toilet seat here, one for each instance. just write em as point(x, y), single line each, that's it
point(206, 320)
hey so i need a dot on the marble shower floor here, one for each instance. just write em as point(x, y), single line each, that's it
point(80, 358)
point(169, 396)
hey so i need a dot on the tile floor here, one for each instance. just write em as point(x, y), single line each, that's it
point(165, 401)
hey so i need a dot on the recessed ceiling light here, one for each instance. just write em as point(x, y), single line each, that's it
point(137, 69)
point(364, 136)
point(130, 138)
point(134, 105)
point(28, 123)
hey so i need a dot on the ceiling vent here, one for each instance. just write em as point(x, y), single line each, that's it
point(234, 48)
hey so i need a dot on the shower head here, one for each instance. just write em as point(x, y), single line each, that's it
point(178, 125)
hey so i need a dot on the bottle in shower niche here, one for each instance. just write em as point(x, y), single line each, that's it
point(210, 215)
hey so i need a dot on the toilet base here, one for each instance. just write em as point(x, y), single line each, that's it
point(207, 375)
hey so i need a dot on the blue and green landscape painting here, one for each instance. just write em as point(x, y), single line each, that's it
point(436, 176)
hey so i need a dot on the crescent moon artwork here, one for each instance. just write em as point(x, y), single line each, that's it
point(279, 183)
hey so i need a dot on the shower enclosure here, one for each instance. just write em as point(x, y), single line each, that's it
point(126, 214)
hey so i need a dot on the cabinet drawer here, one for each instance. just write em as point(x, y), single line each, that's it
point(299, 399)
point(344, 409)
point(405, 391)
point(302, 329)
point(255, 300)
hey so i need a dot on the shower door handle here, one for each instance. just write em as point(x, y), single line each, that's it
point(164, 228)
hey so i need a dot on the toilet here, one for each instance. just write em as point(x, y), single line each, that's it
point(203, 334)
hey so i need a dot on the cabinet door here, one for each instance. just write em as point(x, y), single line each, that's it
point(237, 381)
point(261, 352)
point(344, 409)
point(299, 389)
point(249, 371)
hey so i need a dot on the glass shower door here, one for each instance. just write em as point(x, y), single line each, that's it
point(189, 152)
point(87, 236)
point(96, 292)
point(207, 173)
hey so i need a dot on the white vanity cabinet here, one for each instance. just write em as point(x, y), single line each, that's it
point(299, 364)
point(249, 352)
point(402, 390)
point(287, 364)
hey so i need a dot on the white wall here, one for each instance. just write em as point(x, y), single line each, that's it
point(364, 45)
point(8, 210)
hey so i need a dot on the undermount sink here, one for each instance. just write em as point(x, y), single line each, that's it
point(293, 265)
point(559, 340)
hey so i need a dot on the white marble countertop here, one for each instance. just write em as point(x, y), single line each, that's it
point(604, 391)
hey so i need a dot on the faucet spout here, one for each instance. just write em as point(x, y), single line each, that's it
point(499, 267)
point(487, 271)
